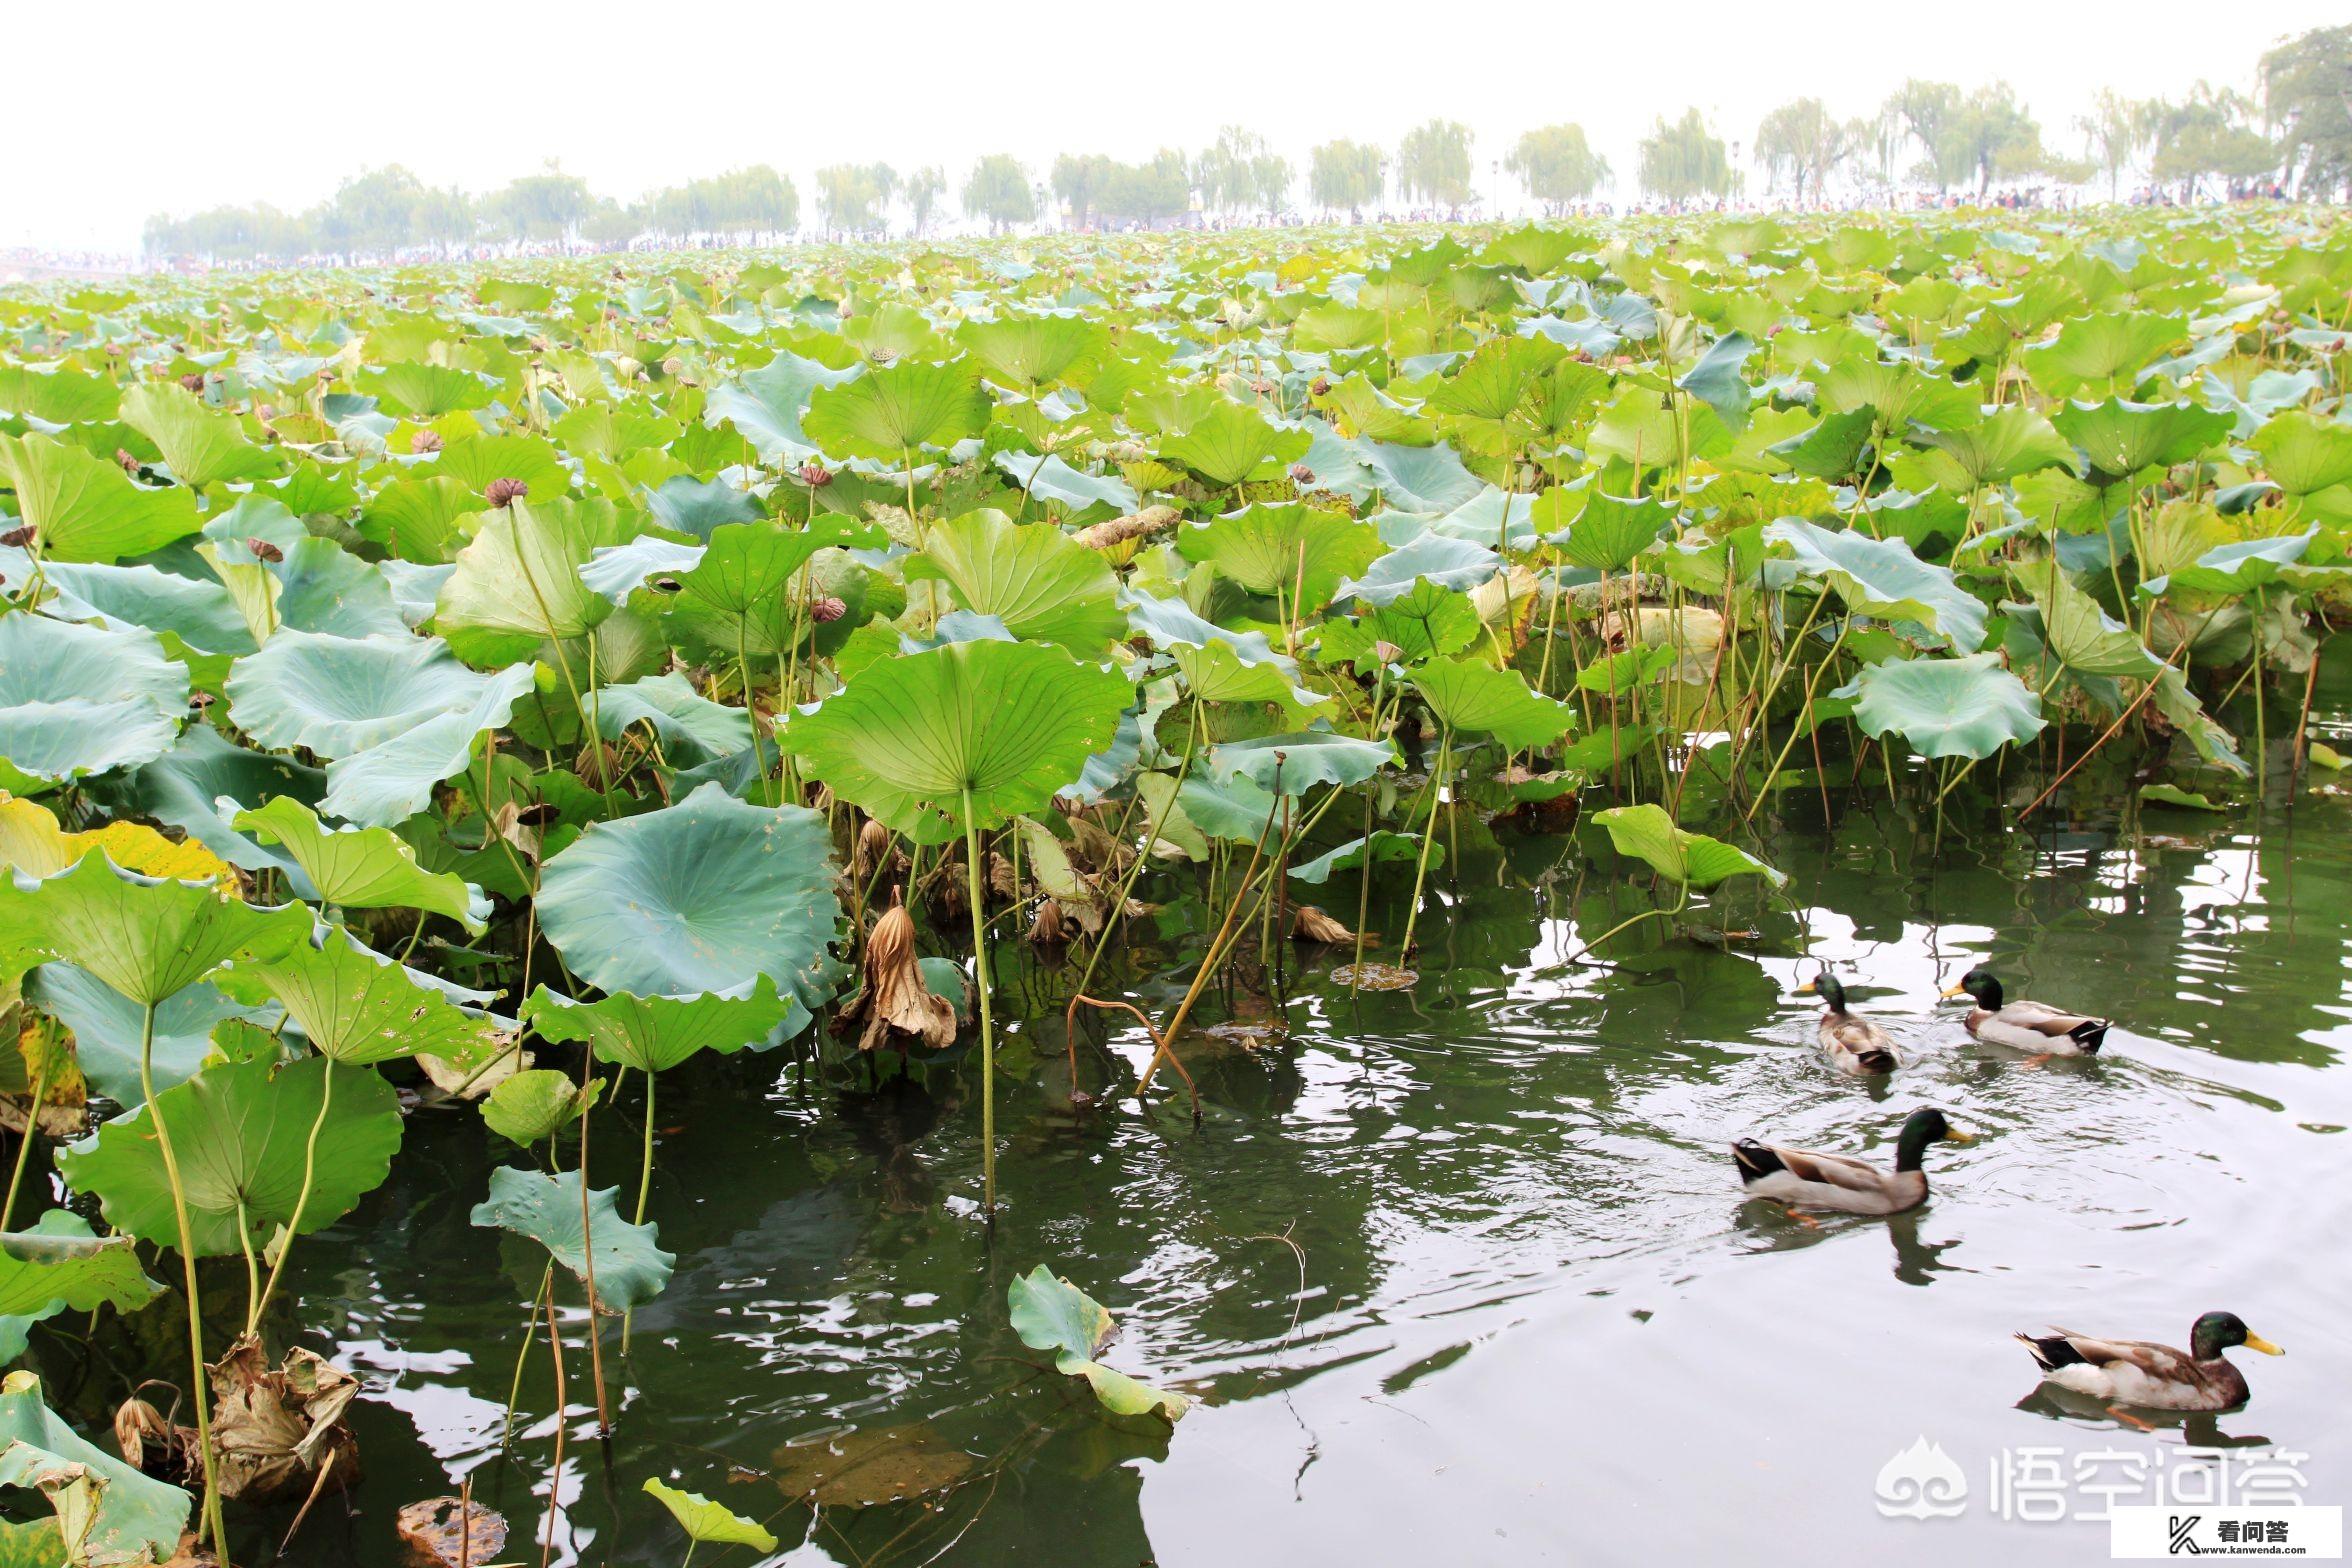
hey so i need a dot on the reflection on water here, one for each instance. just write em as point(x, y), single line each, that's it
point(1463, 1273)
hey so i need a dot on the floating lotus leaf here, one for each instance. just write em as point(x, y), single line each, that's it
point(1006, 725)
point(1473, 698)
point(1688, 859)
point(655, 1033)
point(363, 868)
point(241, 1131)
point(1969, 707)
point(631, 1269)
point(705, 895)
point(1050, 1313)
point(1030, 576)
point(77, 700)
point(707, 1522)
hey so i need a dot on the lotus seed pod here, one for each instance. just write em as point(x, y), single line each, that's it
point(1301, 474)
point(264, 550)
point(825, 607)
point(127, 463)
point(424, 443)
point(505, 492)
point(193, 381)
point(815, 475)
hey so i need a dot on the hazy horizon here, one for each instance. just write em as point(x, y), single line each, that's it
point(280, 102)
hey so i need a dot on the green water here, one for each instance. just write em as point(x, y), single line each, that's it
point(1461, 1274)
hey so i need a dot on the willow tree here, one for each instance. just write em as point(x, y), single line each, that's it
point(1801, 142)
point(1433, 163)
point(1683, 161)
point(1346, 174)
point(999, 190)
point(1557, 165)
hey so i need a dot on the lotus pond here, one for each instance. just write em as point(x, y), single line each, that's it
point(643, 893)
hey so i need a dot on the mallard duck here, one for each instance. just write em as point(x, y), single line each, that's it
point(2028, 1026)
point(1855, 1045)
point(2154, 1377)
point(1816, 1180)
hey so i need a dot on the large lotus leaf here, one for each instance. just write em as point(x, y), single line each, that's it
point(705, 895)
point(2304, 454)
point(338, 696)
point(358, 1007)
point(1349, 856)
point(2121, 437)
point(87, 509)
point(1968, 707)
point(363, 868)
point(240, 1131)
point(629, 1265)
point(2001, 445)
point(1641, 429)
point(106, 1028)
point(1426, 619)
point(194, 619)
point(1291, 549)
point(1435, 558)
point(1468, 696)
point(322, 587)
point(478, 462)
point(77, 700)
point(1003, 725)
point(34, 843)
point(768, 404)
point(1647, 833)
point(425, 520)
point(62, 1264)
point(708, 1522)
point(2105, 352)
point(1217, 674)
point(201, 445)
point(655, 1033)
point(1412, 478)
point(2084, 637)
point(421, 391)
point(700, 507)
point(145, 936)
point(518, 583)
point(619, 570)
point(530, 1107)
point(897, 410)
point(691, 727)
point(1231, 443)
point(1882, 577)
point(1044, 586)
point(738, 597)
point(1369, 412)
point(1031, 351)
point(1050, 1313)
point(2233, 569)
point(1491, 385)
point(1295, 763)
point(1893, 394)
point(393, 781)
point(2204, 733)
point(1715, 379)
point(1607, 532)
point(116, 1514)
point(183, 786)
point(57, 395)
point(1050, 479)
point(1172, 624)
point(1833, 449)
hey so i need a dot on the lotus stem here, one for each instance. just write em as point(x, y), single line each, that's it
point(987, 1017)
point(24, 1148)
point(1445, 754)
point(645, 1166)
point(588, 1270)
point(302, 1198)
point(171, 1171)
point(514, 1392)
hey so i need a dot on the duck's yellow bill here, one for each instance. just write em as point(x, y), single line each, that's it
point(1807, 989)
point(1958, 990)
point(1955, 1135)
point(2257, 1342)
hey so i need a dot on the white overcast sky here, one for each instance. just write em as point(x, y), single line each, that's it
point(115, 109)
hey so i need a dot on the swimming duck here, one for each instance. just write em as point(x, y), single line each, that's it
point(2028, 1026)
point(2154, 1377)
point(1839, 1181)
point(1856, 1046)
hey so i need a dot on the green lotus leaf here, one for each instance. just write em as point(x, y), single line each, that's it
point(767, 405)
point(1002, 726)
point(897, 410)
point(242, 1132)
point(1969, 707)
point(60, 1265)
point(87, 509)
point(1687, 859)
point(1470, 697)
point(629, 1265)
point(1496, 381)
point(106, 1027)
point(2105, 352)
point(322, 587)
point(1425, 619)
point(1172, 624)
point(700, 507)
point(58, 396)
point(707, 1522)
point(2233, 569)
point(1349, 856)
point(201, 445)
point(655, 1033)
point(144, 936)
point(77, 700)
point(1217, 674)
point(691, 727)
point(363, 868)
point(339, 696)
point(1881, 577)
point(2121, 437)
point(1050, 1313)
point(1231, 443)
point(518, 583)
point(2084, 637)
point(1296, 763)
point(421, 391)
point(115, 1513)
point(182, 789)
point(1031, 351)
point(1034, 578)
point(740, 598)
point(1639, 428)
point(2004, 444)
point(1606, 533)
point(1369, 412)
point(425, 520)
point(1291, 549)
point(197, 622)
point(1048, 478)
point(477, 462)
point(2304, 454)
point(705, 895)
point(2182, 799)
point(1893, 395)
point(1432, 558)
point(530, 1107)
point(358, 1007)
point(1715, 379)
point(2204, 733)
point(1321, 328)
point(1833, 449)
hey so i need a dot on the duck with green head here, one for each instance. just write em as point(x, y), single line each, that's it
point(1809, 1178)
point(2026, 1026)
point(1856, 1046)
point(2154, 1377)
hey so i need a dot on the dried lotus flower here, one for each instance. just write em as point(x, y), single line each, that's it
point(21, 535)
point(1309, 924)
point(123, 460)
point(424, 443)
point(827, 607)
point(873, 842)
point(815, 475)
point(1301, 474)
point(1047, 930)
point(193, 381)
point(505, 492)
point(894, 997)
